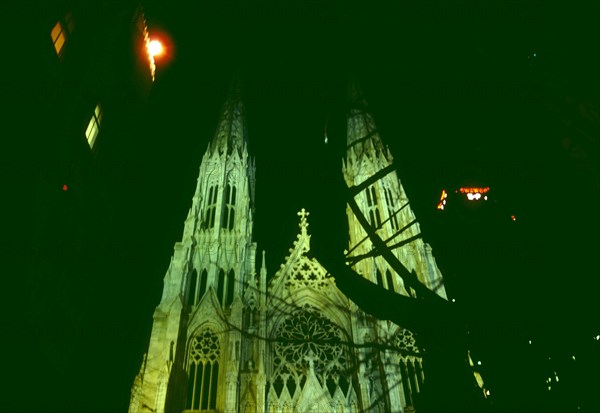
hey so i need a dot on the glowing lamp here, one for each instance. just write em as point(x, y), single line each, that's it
point(155, 48)
point(65, 187)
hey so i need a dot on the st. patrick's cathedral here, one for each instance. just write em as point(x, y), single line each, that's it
point(228, 338)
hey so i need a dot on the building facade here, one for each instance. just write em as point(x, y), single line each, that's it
point(228, 338)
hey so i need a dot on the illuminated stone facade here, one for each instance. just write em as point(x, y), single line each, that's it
point(226, 339)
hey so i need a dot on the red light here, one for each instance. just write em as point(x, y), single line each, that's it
point(474, 190)
point(65, 187)
point(514, 218)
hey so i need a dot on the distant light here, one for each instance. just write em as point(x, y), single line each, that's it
point(529, 341)
point(479, 363)
point(535, 54)
point(598, 337)
point(485, 198)
point(155, 48)
point(65, 187)
point(487, 392)
point(573, 357)
point(454, 300)
point(514, 218)
point(474, 193)
point(466, 190)
point(442, 202)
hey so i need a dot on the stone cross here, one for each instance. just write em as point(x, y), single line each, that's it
point(303, 224)
point(303, 214)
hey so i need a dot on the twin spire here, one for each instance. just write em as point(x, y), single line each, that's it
point(231, 131)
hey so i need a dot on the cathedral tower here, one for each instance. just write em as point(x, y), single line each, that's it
point(386, 207)
point(384, 204)
point(193, 357)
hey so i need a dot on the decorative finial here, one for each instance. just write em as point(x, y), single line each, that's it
point(303, 223)
point(311, 358)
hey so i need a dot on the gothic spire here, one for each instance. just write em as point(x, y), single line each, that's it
point(361, 130)
point(231, 130)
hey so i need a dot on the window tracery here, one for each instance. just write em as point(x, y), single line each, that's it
point(308, 340)
point(405, 341)
point(203, 371)
point(307, 273)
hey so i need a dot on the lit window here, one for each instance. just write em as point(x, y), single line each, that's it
point(58, 38)
point(59, 33)
point(93, 128)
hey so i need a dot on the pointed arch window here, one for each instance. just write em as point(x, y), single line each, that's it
point(372, 208)
point(389, 201)
point(230, 285)
point(203, 371)
point(390, 280)
point(197, 287)
point(379, 277)
point(202, 288)
point(211, 206)
point(192, 288)
point(221, 286)
point(229, 205)
point(225, 287)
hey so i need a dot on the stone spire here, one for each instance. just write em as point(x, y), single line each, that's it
point(384, 204)
point(362, 134)
point(231, 131)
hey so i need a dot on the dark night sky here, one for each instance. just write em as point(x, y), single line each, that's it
point(457, 96)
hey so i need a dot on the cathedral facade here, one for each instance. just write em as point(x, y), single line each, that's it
point(226, 338)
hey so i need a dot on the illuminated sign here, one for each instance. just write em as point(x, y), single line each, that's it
point(474, 190)
point(472, 194)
